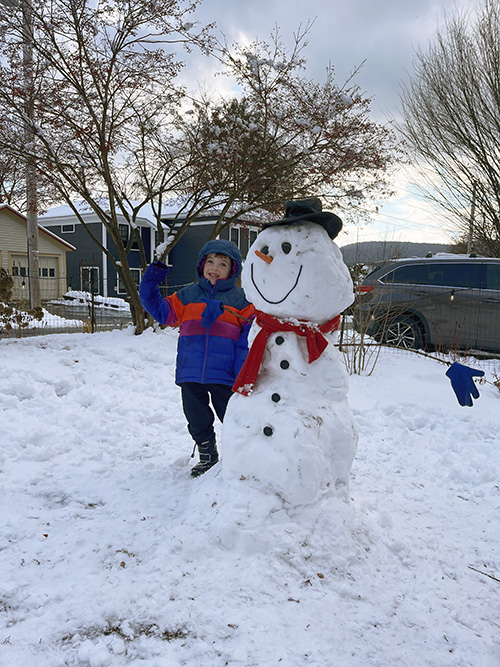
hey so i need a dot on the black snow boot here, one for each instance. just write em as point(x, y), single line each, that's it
point(208, 457)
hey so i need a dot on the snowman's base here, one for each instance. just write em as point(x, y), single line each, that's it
point(243, 516)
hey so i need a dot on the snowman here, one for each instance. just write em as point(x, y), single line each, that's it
point(288, 430)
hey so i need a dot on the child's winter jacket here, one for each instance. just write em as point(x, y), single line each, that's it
point(216, 354)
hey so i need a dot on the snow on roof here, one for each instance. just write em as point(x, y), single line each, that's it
point(169, 210)
point(65, 211)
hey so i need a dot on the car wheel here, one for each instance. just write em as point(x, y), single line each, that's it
point(404, 332)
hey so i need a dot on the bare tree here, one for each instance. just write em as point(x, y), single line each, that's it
point(113, 129)
point(12, 182)
point(286, 136)
point(451, 122)
point(99, 70)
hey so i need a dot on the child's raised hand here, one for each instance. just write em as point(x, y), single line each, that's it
point(211, 312)
point(161, 266)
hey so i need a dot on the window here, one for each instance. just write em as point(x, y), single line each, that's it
point(459, 274)
point(124, 234)
point(136, 276)
point(235, 236)
point(67, 229)
point(412, 274)
point(493, 276)
point(89, 279)
point(123, 229)
point(253, 236)
point(455, 275)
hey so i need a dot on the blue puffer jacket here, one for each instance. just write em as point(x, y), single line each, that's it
point(216, 354)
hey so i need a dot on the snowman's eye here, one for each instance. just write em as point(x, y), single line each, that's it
point(265, 250)
point(286, 247)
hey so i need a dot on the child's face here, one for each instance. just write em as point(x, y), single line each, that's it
point(217, 267)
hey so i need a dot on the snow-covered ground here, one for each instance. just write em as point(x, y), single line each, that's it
point(110, 554)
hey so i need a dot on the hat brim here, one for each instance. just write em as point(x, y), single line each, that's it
point(329, 221)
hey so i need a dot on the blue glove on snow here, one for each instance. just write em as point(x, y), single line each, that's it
point(211, 312)
point(462, 382)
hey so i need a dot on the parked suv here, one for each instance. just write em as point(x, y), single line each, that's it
point(439, 302)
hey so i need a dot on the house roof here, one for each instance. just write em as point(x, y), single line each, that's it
point(63, 212)
point(146, 215)
point(41, 228)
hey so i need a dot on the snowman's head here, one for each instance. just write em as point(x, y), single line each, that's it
point(297, 271)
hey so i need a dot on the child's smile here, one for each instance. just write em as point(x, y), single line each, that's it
point(216, 268)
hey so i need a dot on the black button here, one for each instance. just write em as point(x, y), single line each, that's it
point(276, 398)
point(279, 340)
point(268, 430)
point(284, 364)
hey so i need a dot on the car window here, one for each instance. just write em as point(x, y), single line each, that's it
point(411, 274)
point(493, 276)
point(460, 274)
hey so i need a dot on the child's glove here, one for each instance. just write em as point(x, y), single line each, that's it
point(161, 266)
point(463, 384)
point(211, 312)
point(155, 274)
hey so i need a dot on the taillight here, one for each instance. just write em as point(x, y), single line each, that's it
point(363, 289)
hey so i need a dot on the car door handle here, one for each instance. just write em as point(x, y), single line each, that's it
point(422, 293)
point(490, 300)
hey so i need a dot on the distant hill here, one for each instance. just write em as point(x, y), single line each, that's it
point(370, 252)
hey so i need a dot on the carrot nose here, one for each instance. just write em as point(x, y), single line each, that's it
point(266, 258)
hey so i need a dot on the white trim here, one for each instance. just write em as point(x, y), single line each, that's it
point(51, 220)
point(104, 262)
point(152, 246)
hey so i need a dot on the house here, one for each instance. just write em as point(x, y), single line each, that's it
point(89, 264)
point(14, 256)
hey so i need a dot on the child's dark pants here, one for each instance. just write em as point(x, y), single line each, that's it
point(196, 406)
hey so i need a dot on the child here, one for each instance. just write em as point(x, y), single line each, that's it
point(214, 318)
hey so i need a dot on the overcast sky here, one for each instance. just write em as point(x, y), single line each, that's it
point(381, 33)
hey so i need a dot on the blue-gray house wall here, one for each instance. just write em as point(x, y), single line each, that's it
point(87, 253)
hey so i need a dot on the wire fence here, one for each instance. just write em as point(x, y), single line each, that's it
point(72, 311)
point(361, 351)
point(24, 324)
point(64, 309)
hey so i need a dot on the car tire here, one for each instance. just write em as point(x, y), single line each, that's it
point(404, 332)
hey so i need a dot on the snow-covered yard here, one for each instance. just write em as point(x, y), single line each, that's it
point(111, 554)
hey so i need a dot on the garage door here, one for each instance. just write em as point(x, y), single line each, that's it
point(48, 271)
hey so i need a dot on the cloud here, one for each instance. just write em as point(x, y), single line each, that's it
point(384, 35)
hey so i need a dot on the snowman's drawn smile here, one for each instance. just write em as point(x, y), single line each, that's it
point(286, 295)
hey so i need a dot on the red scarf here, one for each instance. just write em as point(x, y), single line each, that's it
point(316, 343)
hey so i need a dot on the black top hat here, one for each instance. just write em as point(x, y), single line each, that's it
point(311, 210)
